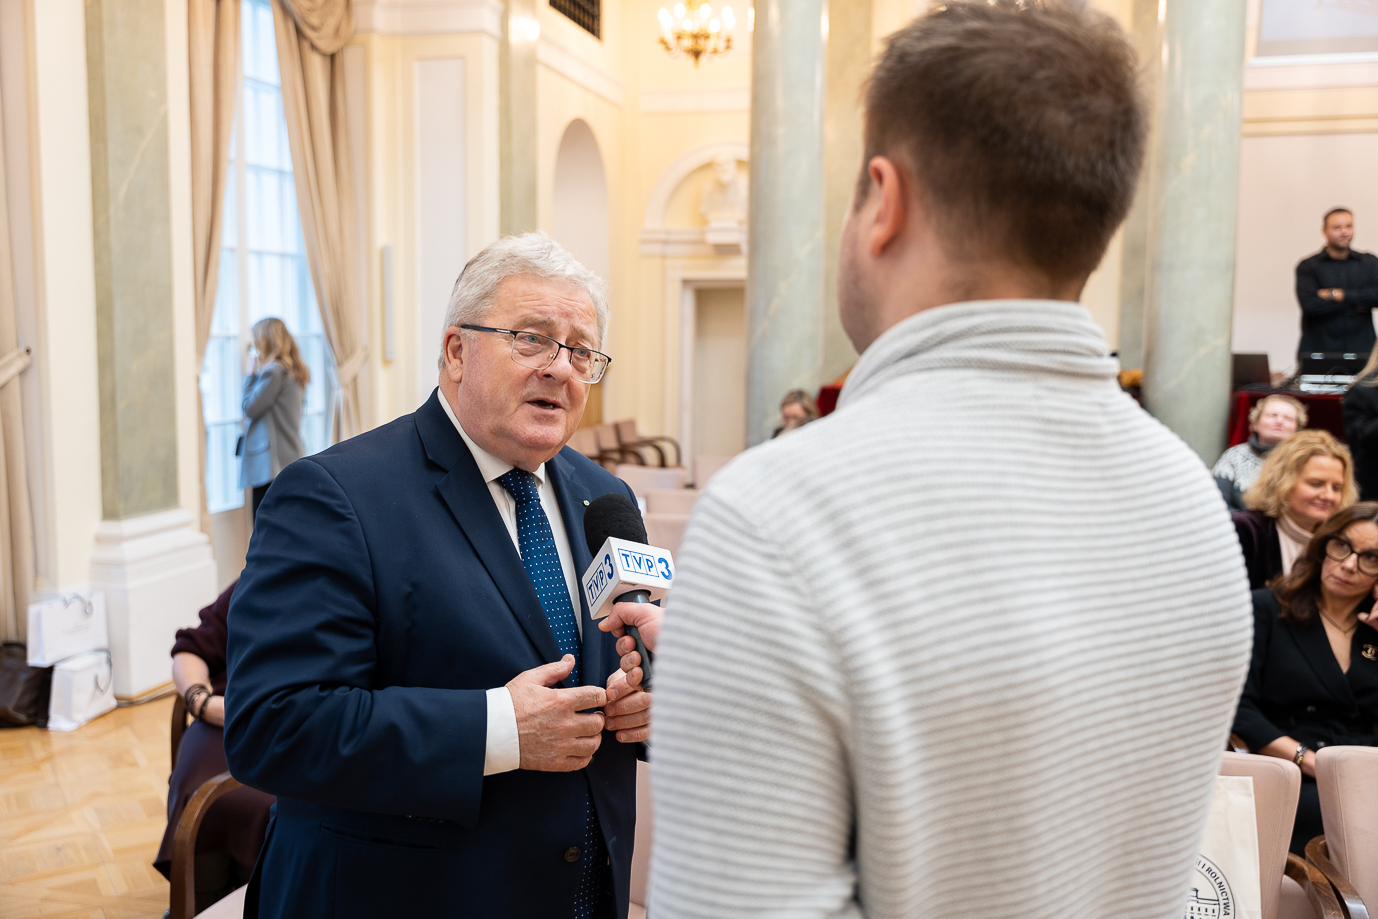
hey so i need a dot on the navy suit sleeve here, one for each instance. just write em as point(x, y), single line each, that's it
point(304, 716)
point(1249, 721)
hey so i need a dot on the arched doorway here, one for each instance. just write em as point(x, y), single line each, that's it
point(579, 215)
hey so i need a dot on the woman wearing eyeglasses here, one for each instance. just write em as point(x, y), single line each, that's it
point(1313, 678)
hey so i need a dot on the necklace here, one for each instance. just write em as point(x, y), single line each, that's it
point(1341, 629)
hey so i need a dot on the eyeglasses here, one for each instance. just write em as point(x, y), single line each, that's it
point(538, 352)
point(1337, 548)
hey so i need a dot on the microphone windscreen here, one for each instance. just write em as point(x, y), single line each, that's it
point(612, 515)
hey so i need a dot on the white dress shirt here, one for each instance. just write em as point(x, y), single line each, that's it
point(503, 751)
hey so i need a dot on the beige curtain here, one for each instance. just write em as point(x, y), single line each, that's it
point(16, 527)
point(310, 36)
point(213, 61)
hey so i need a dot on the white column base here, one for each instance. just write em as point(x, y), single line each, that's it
point(157, 572)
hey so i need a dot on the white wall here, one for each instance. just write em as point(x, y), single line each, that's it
point(1285, 184)
point(440, 206)
point(579, 210)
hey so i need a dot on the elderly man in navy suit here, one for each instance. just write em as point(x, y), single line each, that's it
point(412, 666)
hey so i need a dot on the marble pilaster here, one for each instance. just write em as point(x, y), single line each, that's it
point(849, 63)
point(785, 248)
point(517, 117)
point(150, 559)
point(1148, 42)
point(1187, 310)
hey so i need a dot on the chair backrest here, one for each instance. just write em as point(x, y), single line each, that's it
point(645, 479)
point(677, 501)
point(705, 466)
point(626, 431)
point(1346, 778)
point(607, 436)
point(665, 531)
point(585, 441)
point(1277, 784)
point(641, 846)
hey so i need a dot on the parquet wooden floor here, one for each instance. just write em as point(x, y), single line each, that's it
point(81, 816)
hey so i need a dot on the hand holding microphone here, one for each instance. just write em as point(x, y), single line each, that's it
point(643, 617)
point(626, 574)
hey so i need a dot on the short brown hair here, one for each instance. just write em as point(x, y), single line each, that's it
point(1332, 212)
point(1257, 411)
point(1283, 467)
point(1299, 591)
point(1022, 123)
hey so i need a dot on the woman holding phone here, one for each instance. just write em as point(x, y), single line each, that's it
point(273, 394)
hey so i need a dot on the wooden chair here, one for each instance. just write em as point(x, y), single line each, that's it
point(1292, 888)
point(1346, 854)
point(183, 898)
point(629, 439)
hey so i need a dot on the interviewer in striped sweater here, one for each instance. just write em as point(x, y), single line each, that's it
point(971, 645)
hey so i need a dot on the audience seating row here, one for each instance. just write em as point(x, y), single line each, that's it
point(619, 442)
point(1340, 866)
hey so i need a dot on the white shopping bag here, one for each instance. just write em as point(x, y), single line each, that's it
point(67, 624)
point(83, 688)
point(1225, 884)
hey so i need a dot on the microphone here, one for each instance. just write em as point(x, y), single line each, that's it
point(625, 569)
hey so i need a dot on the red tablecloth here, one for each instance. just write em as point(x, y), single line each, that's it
point(1322, 410)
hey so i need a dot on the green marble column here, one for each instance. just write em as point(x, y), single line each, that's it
point(849, 63)
point(128, 98)
point(1190, 298)
point(1148, 42)
point(517, 117)
point(785, 247)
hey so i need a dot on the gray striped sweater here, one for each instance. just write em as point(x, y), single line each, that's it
point(970, 646)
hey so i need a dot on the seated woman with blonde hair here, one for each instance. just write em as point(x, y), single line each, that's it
point(1305, 479)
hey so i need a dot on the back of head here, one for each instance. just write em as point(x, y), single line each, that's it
point(1022, 123)
point(1284, 465)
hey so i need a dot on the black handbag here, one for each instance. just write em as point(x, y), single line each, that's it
point(24, 690)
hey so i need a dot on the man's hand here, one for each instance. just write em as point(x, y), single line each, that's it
point(629, 708)
point(553, 733)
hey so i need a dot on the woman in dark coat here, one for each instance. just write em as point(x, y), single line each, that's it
point(232, 834)
point(1313, 677)
point(1304, 480)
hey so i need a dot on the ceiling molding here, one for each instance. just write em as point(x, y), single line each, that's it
point(578, 71)
point(429, 17)
point(680, 101)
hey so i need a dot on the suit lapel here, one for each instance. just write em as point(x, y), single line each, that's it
point(1315, 647)
point(573, 498)
point(469, 500)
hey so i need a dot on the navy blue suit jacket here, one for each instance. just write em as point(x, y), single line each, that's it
point(382, 597)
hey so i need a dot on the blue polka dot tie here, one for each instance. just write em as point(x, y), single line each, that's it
point(542, 562)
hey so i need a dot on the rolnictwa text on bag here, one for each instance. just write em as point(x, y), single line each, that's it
point(1225, 883)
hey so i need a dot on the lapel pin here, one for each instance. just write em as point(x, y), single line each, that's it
point(1371, 652)
point(586, 504)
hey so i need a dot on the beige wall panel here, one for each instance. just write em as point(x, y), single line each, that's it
point(390, 75)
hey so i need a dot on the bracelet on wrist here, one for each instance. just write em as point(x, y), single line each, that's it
point(193, 695)
point(1301, 754)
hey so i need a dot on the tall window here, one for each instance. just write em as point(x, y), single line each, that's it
point(263, 268)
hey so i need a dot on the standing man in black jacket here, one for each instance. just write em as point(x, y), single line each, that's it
point(1337, 289)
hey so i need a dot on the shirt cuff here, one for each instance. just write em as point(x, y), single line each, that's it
point(503, 751)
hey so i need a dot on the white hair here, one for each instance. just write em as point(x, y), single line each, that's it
point(526, 254)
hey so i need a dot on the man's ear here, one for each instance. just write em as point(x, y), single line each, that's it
point(888, 202)
point(454, 354)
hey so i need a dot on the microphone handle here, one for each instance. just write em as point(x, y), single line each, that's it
point(639, 596)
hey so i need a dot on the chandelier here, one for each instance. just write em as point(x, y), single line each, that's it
point(692, 29)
